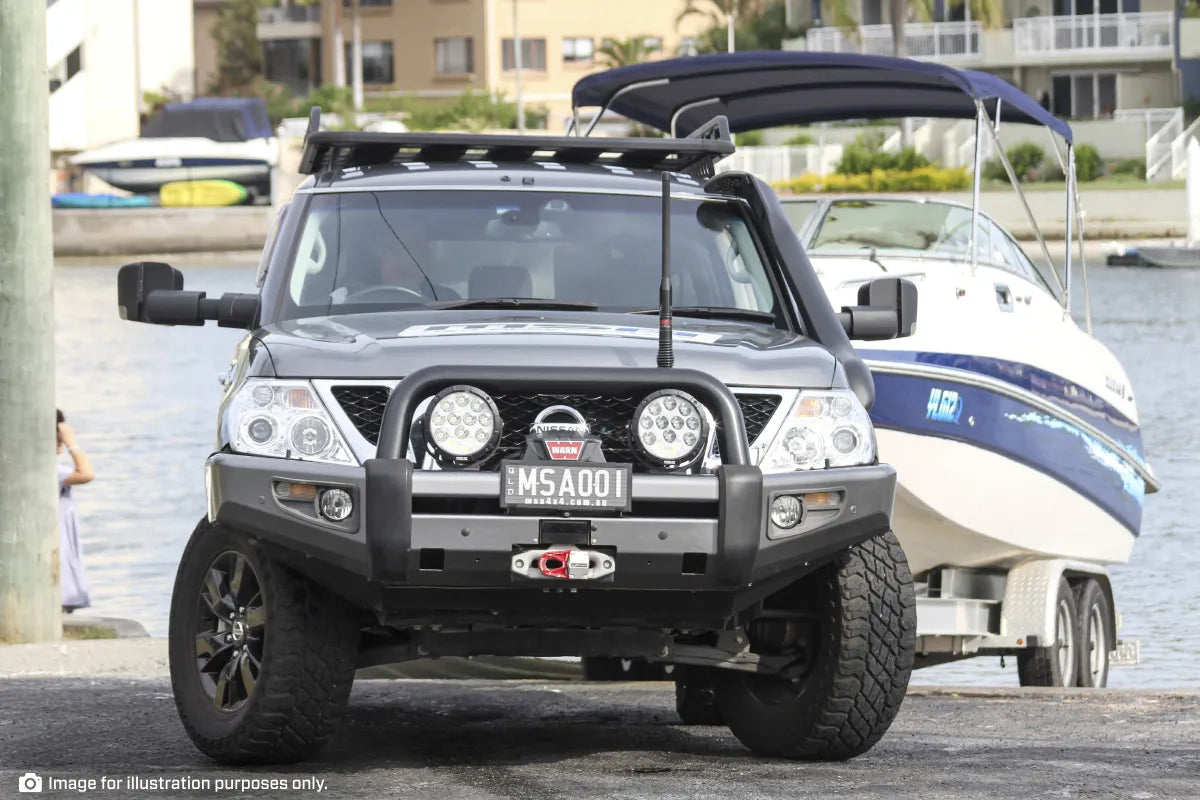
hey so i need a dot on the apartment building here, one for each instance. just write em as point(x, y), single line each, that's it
point(444, 47)
point(102, 55)
point(1082, 59)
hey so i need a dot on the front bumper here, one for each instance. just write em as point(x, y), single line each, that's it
point(705, 540)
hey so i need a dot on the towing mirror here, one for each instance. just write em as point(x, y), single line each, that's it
point(149, 291)
point(887, 309)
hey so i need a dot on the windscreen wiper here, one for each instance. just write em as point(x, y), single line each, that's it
point(515, 302)
point(716, 312)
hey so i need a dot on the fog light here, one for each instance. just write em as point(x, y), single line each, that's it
point(786, 511)
point(336, 504)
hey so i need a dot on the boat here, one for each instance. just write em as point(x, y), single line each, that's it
point(211, 138)
point(1155, 257)
point(1013, 430)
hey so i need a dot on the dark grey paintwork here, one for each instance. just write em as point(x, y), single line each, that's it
point(372, 346)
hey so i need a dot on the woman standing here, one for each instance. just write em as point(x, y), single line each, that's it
point(70, 554)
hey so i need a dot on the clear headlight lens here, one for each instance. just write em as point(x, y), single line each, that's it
point(462, 426)
point(670, 427)
point(284, 419)
point(822, 429)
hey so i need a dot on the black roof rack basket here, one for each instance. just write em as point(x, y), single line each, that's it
point(694, 155)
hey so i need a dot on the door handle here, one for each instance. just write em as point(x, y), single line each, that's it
point(1004, 297)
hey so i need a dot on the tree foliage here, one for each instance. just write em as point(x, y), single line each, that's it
point(239, 53)
point(623, 52)
point(759, 26)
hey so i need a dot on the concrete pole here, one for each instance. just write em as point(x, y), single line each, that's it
point(517, 68)
point(29, 594)
point(731, 24)
point(356, 58)
point(1193, 192)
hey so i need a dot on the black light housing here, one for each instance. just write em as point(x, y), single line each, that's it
point(457, 412)
point(673, 416)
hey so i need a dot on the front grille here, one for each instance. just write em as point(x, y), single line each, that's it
point(608, 415)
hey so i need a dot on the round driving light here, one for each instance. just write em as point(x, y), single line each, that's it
point(260, 430)
point(462, 426)
point(336, 504)
point(786, 511)
point(311, 436)
point(804, 447)
point(658, 420)
point(845, 440)
point(841, 406)
point(262, 395)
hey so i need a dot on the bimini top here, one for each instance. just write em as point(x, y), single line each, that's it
point(222, 119)
point(763, 89)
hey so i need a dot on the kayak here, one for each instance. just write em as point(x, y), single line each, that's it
point(203, 193)
point(85, 200)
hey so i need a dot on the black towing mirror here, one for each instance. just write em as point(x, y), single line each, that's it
point(887, 309)
point(150, 291)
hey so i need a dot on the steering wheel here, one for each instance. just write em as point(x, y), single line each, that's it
point(363, 294)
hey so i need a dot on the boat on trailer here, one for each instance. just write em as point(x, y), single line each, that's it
point(1013, 430)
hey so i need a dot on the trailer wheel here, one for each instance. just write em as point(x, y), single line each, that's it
point(1095, 621)
point(1057, 664)
point(695, 698)
point(262, 659)
point(862, 613)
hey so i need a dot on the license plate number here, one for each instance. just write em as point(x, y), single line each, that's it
point(603, 487)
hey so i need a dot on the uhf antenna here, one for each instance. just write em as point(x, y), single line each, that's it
point(666, 342)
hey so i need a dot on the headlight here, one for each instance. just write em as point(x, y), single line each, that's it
point(462, 426)
point(822, 429)
point(670, 429)
point(283, 419)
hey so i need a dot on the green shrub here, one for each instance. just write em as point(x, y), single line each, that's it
point(749, 139)
point(921, 179)
point(864, 155)
point(1088, 164)
point(1135, 167)
point(993, 170)
point(800, 139)
point(1026, 159)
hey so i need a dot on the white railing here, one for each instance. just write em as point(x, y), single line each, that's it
point(1142, 32)
point(780, 163)
point(966, 151)
point(913, 126)
point(282, 14)
point(1159, 147)
point(1179, 149)
point(935, 41)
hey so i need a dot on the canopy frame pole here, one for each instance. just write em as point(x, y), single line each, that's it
point(1012, 179)
point(1087, 297)
point(688, 107)
point(981, 122)
point(618, 93)
point(573, 122)
point(1070, 213)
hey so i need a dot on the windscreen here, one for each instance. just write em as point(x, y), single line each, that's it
point(373, 251)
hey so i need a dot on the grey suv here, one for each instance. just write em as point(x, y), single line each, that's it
point(544, 396)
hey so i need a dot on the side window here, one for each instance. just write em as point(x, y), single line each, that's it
point(1013, 259)
point(269, 246)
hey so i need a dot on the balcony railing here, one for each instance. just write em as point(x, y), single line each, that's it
point(1146, 32)
point(935, 41)
point(276, 16)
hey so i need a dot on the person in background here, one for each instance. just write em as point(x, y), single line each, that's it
point(70, 554)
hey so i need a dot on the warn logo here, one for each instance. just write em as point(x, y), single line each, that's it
point(564, 449)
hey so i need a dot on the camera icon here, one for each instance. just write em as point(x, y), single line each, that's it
point(29, 782)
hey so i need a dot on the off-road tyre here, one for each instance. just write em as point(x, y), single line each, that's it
point(865, 617)
point(1049, 665)
point(309, 647)
point(695, 696)
point(1095, 622)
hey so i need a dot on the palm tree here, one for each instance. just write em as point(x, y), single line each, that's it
point(623, 52)
point(722, 13)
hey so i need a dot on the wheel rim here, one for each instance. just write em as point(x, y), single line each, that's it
point(1097, 640)
point(1066, 644)
point(231, 622)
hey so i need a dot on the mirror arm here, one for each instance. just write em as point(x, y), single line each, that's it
point(870, 322)
point(179, 307)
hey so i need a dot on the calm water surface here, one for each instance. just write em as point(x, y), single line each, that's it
point(143, 400)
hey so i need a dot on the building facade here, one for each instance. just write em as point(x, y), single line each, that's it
point(1082, 59)
point(438, 48)
point(97, 77)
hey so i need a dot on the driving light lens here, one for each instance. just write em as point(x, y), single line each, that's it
point(670, 429)
point(462, 426)
point(285, 419)
point(310, 436)
point(336, 504)
point(822, 429)
point(786, 511)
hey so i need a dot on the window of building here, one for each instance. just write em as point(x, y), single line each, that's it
point(454, 55)
point(1084, 95)
point(653, 44)
point(296, 63)
point(368, 3)
point(687, 46)
point(578, 49)
point(66, 69)
point(378, 64)
point(533, 54)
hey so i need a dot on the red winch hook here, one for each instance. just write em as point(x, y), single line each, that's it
point(553, 563)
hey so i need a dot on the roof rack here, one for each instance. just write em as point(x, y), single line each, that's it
point(694, 155)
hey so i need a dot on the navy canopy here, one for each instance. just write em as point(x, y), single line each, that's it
point(222, 119)
point(764, 89)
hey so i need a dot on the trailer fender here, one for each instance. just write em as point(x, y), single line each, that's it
point(1030, 596)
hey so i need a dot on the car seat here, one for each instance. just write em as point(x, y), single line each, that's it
point(499, 280)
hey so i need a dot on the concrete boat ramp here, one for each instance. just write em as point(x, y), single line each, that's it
point(83, 710)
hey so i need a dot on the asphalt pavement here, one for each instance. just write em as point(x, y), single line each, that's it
point(536, 740)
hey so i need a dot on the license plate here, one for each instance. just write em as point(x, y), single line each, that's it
point(559, 487)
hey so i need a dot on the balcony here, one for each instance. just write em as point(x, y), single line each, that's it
point(289, 22)
point(931, 41)
point(1136, 36)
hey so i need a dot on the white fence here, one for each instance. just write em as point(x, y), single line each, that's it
point(780, 163)
point(941, 41)
point(1144, 32)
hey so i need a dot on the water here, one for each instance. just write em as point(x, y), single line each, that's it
point(143, 399)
